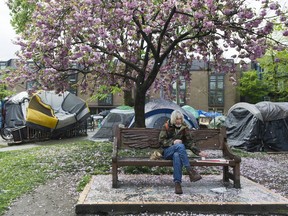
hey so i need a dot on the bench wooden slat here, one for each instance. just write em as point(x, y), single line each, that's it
point(140, 139)
point(144, 161)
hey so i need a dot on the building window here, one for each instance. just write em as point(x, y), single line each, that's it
point(106, 101)
point(30, 85)
point(260, 71)
point(3, 65)
point(72, 79)
point(198, 65)
point(179, 91)
point(216, 90)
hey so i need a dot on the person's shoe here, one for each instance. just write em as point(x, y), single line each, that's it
point(178, 188)
point(194, 175)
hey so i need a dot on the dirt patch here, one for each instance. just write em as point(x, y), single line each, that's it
point(56, 198)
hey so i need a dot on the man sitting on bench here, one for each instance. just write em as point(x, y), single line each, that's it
point(175, 138)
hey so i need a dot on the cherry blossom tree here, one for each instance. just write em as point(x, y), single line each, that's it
point(140, 44)
point(21, 13)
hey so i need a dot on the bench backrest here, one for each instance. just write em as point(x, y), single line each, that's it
point(141, 138)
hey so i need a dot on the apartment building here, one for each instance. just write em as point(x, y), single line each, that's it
point(207, 90)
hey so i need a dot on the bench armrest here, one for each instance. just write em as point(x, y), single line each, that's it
point(228, 153)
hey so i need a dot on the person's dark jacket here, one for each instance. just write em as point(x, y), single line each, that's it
point(170, 132)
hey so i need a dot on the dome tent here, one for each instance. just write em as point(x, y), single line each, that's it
point(190, 109)
point(15, 110)
point(45, 115)
point(119, 115)
point(158, 111)
point(262, 126)
point(51, 111)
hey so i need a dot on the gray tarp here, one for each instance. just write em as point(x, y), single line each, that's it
point(272, 111)
point(15, 110)
point(262, 126)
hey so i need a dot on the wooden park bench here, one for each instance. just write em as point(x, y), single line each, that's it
point(143, 138)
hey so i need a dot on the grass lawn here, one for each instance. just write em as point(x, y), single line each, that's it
point(22, 170)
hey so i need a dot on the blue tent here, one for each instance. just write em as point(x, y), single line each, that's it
point(158, 111)
point(156, 118)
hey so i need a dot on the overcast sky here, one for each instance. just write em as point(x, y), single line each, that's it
point(7, 48)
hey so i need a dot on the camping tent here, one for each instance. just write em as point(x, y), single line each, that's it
point(262, 126)
point(157, 117)
point(50, 111)
point(217, 122)
point(190, 109)
point(158, 111)
point(15, 110)
point(119, 115)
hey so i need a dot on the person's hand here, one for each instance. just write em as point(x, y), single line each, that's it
point(203, 154)
point(177, 141)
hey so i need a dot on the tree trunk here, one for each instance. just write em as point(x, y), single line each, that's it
point(128, 99)
point(139, 107)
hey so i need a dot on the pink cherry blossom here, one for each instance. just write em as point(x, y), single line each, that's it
point(139, 43)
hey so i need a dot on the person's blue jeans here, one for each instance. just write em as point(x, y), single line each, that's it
point(178, 154)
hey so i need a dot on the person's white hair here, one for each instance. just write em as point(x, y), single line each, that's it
point(175, 115)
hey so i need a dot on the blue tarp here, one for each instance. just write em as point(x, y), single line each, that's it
point(209, 114)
